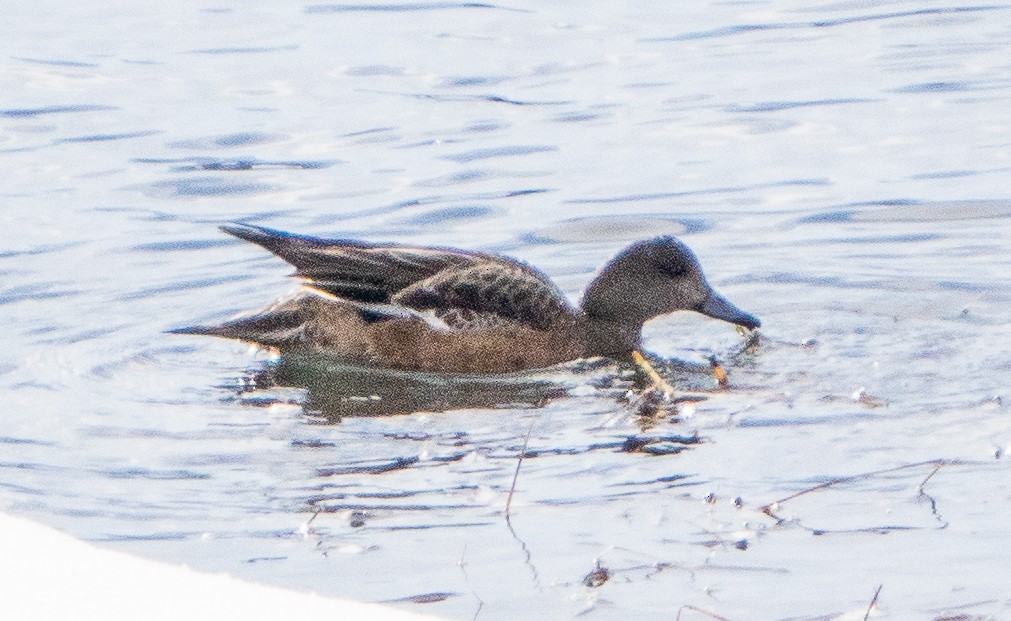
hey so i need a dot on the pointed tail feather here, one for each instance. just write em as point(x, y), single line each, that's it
point(278, 328)
point(271, 239)
point(291, 247)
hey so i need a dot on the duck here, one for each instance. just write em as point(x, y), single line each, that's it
point(444, 310)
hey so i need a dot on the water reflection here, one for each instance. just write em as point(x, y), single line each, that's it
point(336, 389)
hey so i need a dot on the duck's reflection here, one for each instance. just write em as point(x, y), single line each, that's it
point(336, 389)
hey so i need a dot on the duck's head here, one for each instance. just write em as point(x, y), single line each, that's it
point(655, 277)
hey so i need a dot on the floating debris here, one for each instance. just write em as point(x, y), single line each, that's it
point(423, 598)
point(597, 577)
point(719, 373)
point(357, 519)
point(868, 401)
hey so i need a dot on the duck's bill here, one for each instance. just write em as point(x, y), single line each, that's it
point(718, 307)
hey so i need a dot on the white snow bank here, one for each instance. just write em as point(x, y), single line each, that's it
point(49, 575)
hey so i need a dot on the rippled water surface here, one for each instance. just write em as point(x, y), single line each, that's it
point(840, 168)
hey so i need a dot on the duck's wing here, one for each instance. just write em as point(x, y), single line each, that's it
point(465, 290)
point(354, 270)
point(489, 293)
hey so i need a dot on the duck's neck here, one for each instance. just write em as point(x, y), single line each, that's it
point(607, 336)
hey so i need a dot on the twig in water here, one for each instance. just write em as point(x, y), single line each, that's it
point(308, 530)
point(770, 508)
point(933, 502)
point(719, 374)
point(509, 499)
point(308, 524)
point(700, 611)
point(466, 578)
point(656, 382)
point(516, 475)
point(874, 600)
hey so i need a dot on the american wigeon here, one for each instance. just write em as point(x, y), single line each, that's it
point(455, 311)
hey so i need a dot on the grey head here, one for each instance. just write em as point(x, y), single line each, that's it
point(650, 278)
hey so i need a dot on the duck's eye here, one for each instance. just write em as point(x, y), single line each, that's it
point(673, 267)
point(677, 270)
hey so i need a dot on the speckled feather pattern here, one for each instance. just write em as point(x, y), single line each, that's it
point(488, 289)
point(375, 304)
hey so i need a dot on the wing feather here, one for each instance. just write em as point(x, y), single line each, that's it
point(351, 269)
point(466, 290)
point(472, 295)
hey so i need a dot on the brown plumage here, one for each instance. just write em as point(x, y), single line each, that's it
point(447, 310)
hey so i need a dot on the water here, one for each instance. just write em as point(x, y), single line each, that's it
point(841, 170)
